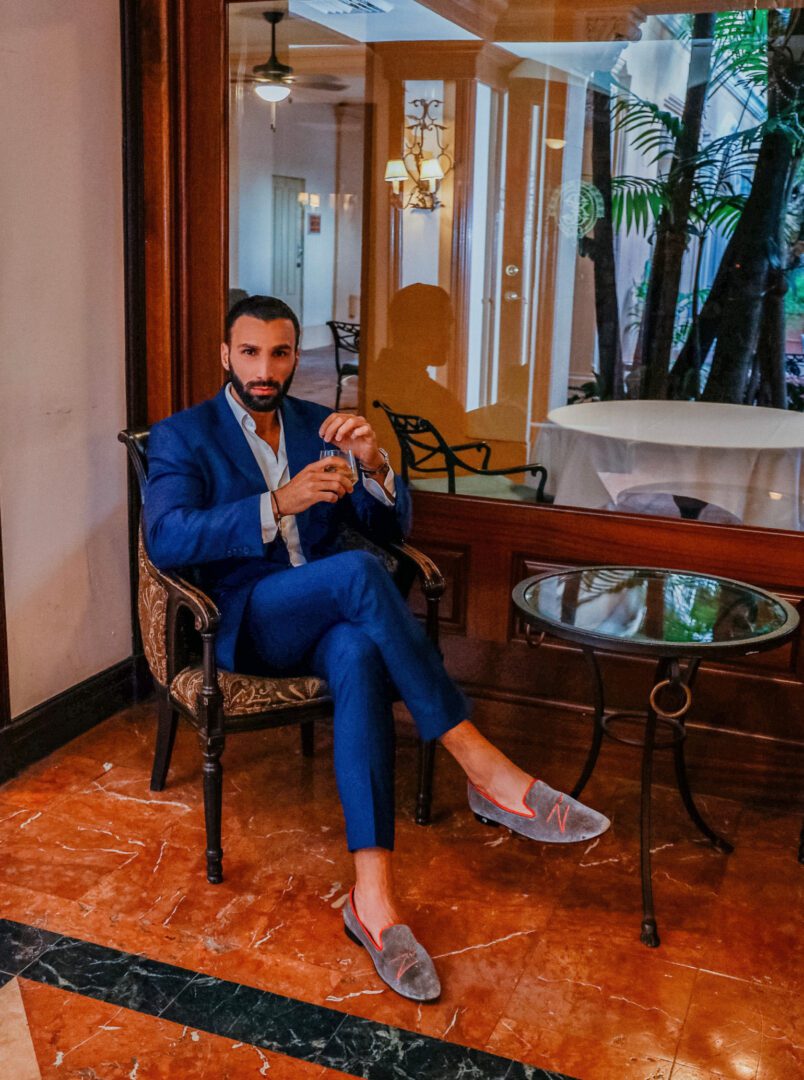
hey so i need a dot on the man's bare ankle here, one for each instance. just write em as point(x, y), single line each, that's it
point(375, 910)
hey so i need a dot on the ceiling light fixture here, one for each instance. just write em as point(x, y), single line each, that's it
point(272, 91)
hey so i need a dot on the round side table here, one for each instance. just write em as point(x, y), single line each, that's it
point(678, 618)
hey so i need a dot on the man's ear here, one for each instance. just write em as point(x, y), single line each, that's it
point(225, 355)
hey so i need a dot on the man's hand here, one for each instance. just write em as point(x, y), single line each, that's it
point(327, 480)
point(354, 433)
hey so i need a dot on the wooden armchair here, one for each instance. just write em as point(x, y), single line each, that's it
point(179, 622)
point(425, 450)
point(346, 336)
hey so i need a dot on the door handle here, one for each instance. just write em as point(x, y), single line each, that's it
point(511, 295)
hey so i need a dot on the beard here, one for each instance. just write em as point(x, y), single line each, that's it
point(256, 402)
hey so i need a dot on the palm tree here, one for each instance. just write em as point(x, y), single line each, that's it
point(743, 313)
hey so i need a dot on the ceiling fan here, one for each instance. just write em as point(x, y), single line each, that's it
point(273, 80)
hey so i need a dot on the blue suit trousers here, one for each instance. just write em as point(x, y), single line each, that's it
point(343, 618)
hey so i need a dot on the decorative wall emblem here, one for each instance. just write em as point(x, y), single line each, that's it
point(576, 206)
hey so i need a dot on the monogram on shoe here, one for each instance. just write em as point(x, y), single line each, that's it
point(547, 815)
point(401, 962)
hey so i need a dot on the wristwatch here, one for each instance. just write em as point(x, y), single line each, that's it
point(386, 465)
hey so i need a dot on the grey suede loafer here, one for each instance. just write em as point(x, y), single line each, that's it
point(547, 815)
point(401, 962)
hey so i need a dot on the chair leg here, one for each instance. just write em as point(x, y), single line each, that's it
point(213, 794)
point(338, 395)
point(165, 737)
point(425, 794)
point(308, 738)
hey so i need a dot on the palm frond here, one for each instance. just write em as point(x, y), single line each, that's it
point(653, 132)
point(741, 50)
point(637, 202)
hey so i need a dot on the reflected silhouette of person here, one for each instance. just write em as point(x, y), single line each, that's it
point(421, 322)
point(422, 331)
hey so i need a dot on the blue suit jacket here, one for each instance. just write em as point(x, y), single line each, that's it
point(202, 506)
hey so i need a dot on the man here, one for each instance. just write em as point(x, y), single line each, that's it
point(237, 490)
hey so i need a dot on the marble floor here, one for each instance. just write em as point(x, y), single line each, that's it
point(118, 960)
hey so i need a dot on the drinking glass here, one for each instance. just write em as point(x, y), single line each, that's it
point(347, 455)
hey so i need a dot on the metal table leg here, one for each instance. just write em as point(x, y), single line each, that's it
point(598, 729)
point(649, 934)
point(689, 802)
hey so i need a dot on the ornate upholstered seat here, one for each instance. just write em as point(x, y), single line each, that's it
point(178, 623)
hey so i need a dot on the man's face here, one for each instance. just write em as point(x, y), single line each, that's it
point(261, 360)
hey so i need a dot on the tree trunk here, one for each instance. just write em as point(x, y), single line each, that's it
point(745, 308)
point(610, 376)
point(671, 229)
point(772, 388)
point(749, 276)
point(704, 329)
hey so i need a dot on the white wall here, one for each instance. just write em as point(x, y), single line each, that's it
point(303, 145)
point(62, 392)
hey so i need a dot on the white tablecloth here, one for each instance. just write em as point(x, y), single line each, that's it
point(746, 463)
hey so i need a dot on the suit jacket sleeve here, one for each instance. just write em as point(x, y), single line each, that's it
point(181, 528)
point(387, 524)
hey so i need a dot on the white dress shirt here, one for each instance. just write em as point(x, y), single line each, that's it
point(274, 468)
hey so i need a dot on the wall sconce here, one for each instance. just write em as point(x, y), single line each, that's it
point(396, 174)
point(424, 168)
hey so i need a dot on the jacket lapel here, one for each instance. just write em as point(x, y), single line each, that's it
point(301, 443)
point(232, 442)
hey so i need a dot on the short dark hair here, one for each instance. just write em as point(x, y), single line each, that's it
point(266, 308)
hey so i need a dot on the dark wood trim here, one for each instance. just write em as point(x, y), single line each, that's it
point(134, 256)
point(157, 92)
point(203, 272)
point(747, 711)
point(46, 727)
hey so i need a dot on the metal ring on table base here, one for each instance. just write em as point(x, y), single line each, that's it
point(676, 714)
point(678, 730)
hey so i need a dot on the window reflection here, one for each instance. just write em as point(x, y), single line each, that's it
point(651, 605)
point(580, 249)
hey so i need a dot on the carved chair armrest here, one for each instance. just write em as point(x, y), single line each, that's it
point(432, 580)
point(432, 583)
point(204, 612)
point(182, 595)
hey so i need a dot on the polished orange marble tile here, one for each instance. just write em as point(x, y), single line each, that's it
point(479, 952)
point(77, 1038)
point(576, 1055)
point(51, 852)
point(737, 1029)
point(48, 782)
point(603, 990)
point(537, 945)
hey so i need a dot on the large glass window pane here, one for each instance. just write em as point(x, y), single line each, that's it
point(569, 240)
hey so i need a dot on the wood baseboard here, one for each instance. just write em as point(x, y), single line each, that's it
point(41, 730)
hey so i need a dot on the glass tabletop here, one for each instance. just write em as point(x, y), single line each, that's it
point(654, 610)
